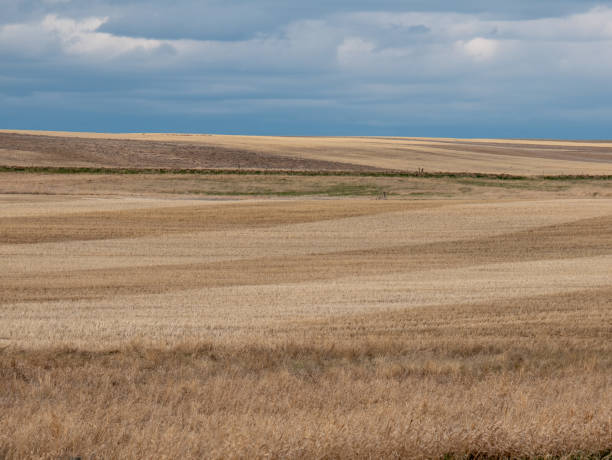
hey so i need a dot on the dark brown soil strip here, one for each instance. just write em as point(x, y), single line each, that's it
point(134, 154)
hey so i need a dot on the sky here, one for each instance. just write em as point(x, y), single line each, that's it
point(470, 68)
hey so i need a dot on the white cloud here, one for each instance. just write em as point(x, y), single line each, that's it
point(354, 50)
point(479, 48)
point(71, 37)
point(82, 38)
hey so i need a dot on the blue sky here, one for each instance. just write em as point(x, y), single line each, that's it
point(475, 68)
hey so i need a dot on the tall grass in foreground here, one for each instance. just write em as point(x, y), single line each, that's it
point(527, 377)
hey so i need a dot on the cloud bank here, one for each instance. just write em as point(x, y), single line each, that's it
point(403, 68)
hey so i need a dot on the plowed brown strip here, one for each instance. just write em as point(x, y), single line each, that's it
point(24, 149)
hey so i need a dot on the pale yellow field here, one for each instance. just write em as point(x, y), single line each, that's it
point(231, 265)
point(139, 326)
point(522, 157)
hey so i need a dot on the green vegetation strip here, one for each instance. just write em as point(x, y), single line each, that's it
point(278, 172)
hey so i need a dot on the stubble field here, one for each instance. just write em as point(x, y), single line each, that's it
point(167, 316)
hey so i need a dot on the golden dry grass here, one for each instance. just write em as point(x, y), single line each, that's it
point(523, 377)
point(140, 326)
point(193, 151)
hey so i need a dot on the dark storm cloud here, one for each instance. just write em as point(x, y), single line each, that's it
point(239, 19)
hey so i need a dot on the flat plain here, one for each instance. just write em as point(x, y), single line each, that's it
point(171, 315)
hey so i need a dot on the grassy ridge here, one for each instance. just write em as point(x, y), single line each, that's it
point(274, 172)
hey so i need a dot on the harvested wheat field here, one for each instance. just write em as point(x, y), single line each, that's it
point(519, 157)
point(243, 316)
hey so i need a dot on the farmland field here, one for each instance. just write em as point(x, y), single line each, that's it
point(305, 153)
point(167, 315)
